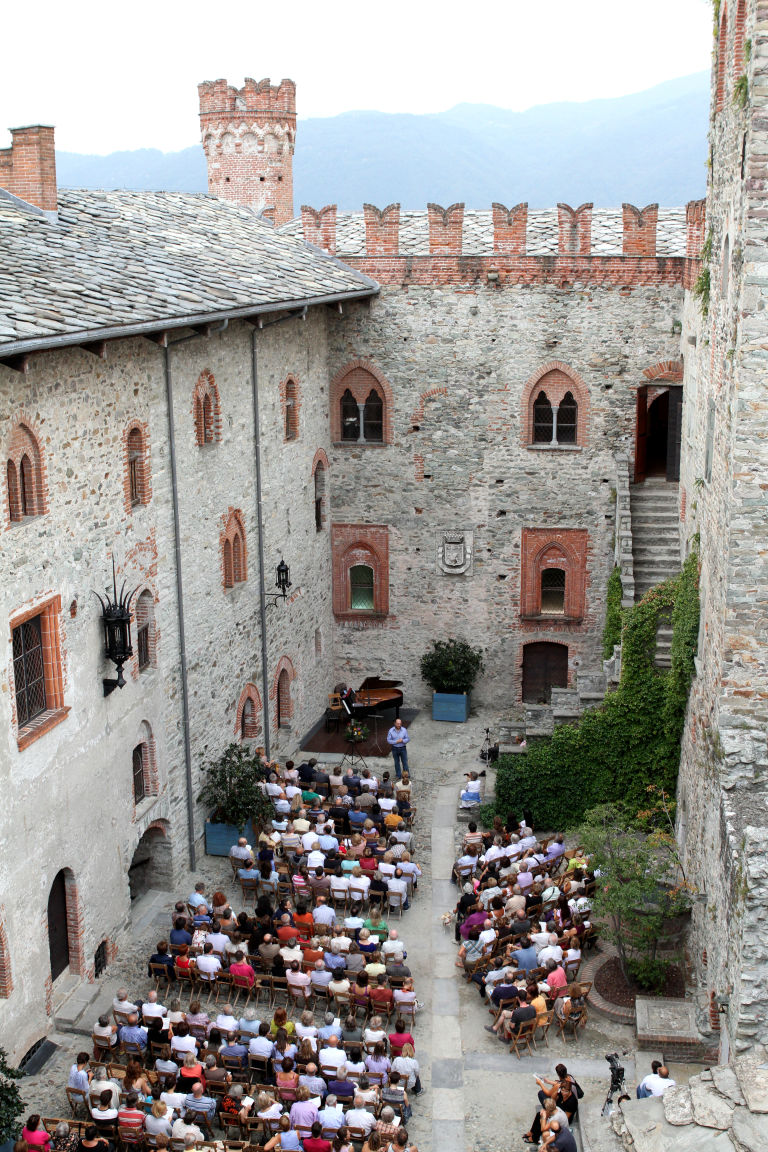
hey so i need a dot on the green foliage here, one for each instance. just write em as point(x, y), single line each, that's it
point(716, 15)
point(706, 248)
point(451, 666)
point(631, 739)
point(613, 614)
point(231, 789)
point(11, 1103)
point(649, 974)
point(747, 50)
point(702, 289)
point(741, 92)
point(485, 814)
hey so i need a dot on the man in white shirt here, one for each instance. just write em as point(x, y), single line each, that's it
point(151, 1007)
point(552, 951)
point(272, 787)
point(208, 965)
point(316, 858)
point(332, 1116)
point(360, 1117)
point(121, 1003)
point(488, 934)
point(397, 884)
point(339, 885)
point(308, 838)
point(656, 1083)
point(217, 938)
point(323, 913)
point(527, 838)
point(291, 952)
point(226, 1021)
point(241, 850)
point(392, 946)
point(332, 1056)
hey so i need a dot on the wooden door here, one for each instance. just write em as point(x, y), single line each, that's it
point(641, 433)
point(58, 937)
point(545, 666)
point(674, 432)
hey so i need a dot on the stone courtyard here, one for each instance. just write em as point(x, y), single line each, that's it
point(477, 1095)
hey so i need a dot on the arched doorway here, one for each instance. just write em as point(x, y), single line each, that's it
point(658, 433)
point(545, 666)
point(58, 933)
point(151, 866)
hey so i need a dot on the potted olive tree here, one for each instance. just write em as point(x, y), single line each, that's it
point(237, 803)
point(450, 667)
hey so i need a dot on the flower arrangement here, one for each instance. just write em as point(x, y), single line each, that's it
point(356, 732)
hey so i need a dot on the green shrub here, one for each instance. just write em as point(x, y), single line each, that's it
point(613, 614)
point(11, 1103)
point(451, 666)
point(231, 789)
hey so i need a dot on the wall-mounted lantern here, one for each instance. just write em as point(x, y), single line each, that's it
point(116, 618)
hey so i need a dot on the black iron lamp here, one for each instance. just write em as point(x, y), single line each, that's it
point(282, 583)
point(116, 618)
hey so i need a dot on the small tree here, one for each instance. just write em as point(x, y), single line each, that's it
point(231, 789)
point(452, 666)
point(11, 1103)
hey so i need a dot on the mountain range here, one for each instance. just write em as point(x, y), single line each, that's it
point(649, 146)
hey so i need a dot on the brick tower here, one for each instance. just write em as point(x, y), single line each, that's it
point(248, 138)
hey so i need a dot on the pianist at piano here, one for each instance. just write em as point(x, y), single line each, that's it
point(374, 695)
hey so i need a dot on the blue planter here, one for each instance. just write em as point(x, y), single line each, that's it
point(450, 706)
point(219, 838)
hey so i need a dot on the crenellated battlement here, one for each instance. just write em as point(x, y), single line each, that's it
point(217, 97)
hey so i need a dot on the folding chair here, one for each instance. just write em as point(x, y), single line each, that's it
point(121, 1018)
point(160, 973)
point(396, 902)
point(186, 977)
point(279, 988)
point(130, 1137)
point(258, 1066)
point(229, 1124)
point(544, 1024)
point(76, 1097)
point(523, 1036)
point(249, 888)
point(223, 986)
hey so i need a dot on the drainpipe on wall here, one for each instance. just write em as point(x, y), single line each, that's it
point(180, 588)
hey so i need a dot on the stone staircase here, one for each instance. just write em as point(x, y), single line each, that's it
point(655, 546)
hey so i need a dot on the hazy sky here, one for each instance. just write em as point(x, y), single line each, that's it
point(114, 76)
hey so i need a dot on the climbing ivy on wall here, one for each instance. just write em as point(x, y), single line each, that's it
point(613, 615)
point(630, 741)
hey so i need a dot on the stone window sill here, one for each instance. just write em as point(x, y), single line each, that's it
point(144, 806)
point(554, 447)
point(359, 444)
point(358, 616)
point(551, 618)
point(39, 726)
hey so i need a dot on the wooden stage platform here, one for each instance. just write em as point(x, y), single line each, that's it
point(375, 745)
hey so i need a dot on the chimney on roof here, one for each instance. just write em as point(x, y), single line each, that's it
point(28, 167)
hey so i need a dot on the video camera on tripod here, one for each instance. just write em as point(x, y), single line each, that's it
point(617, 1081)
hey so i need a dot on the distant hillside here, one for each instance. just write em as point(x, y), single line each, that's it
point(650, 146)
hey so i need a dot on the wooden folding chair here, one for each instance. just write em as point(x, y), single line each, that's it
point(121, 1018)
point(186, 977)
point(160, 974)
point(249, 888)
point(396, 902)
point(524, 1036)
point(229, 1124)
point(544, 1024)
point(76, 1097)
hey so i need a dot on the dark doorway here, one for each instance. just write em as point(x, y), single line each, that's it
point(658, 431)
point(58, 937)
point(545, 666)
point(151, 866)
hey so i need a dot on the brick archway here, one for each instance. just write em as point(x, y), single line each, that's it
point(248, 715)
point(281, 694)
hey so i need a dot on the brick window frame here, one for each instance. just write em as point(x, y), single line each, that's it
point(555, 380)
point(6, 973)
point(353, 545)
point(722, 54)
point(137, 482)
point(147, 747)
point(360, 378)
point(546, 548)
point(26, 484)
point(280, 694)
point(206, 410)
point(49, 612)
point(144, 618)
point(234, 550)
point(290, 406)
point(739, 28)
point(320, 470)
point(248, 714)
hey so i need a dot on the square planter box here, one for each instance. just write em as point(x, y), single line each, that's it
point(449, 706)
point(219, 838)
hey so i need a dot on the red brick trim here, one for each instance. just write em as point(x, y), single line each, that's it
point(722, 54)
point(234, 550)
point(206, 410)
point(148, 746)
point(640, 229)
point(562, 548)
point(382, 230)
point(75, 924)
point(144, 613)
point(417, 416)
point(24, 441)
point(320, 459)
point(247, 727)
point(446, 228)
point(6, 974)
point(136, 438)
point(290, 405)
point(665, 370)
point(319, 227)
point(695, 228)
point(285, 674)
point(353, 544)
point(555, 378)
point(509, 229)
point(49, 612)
point(574, 229)
point(359, 376)
point(739, 27)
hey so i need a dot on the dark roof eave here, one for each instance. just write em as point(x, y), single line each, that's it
point(147, 327)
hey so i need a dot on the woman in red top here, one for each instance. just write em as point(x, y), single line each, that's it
point(182, 957)
point(368, 861)
point(315, 1143)
point(398, 1038)
point(190, 1071)
point(303, 921)
point(34, 1135)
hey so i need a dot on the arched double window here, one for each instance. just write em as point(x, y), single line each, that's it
point(556, 409)
point(233, 550)
point(206, 407)
point(361, 406)
point(24, 475)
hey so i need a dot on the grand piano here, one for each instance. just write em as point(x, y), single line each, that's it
point(375, 695)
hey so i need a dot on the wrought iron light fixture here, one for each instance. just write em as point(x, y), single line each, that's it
point(282, 583)
point(116, 618)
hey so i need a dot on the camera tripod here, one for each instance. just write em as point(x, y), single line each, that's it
point(617, 1085)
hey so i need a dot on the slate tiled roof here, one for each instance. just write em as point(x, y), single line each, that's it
point(118, 259)
point(541, 235)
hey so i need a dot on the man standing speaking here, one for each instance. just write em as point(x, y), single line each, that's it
point(397, 738)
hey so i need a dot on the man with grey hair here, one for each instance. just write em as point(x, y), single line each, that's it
point(241, 850)
point(121, 1003)
point(312, 1081)
point(100, 1083)
point(152, 1006)
point(387, 1125)
point(197, 1101)
point(332, 1115)
point(213, 1073)
point(552, 951)
point(360, 1117)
